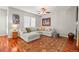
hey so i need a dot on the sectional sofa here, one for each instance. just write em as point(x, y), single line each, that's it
point(30, 36)
point(34, 34)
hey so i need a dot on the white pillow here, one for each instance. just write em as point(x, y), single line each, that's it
point(22, 31)
point(48, 29)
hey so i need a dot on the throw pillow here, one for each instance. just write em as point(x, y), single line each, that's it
point(28, 30)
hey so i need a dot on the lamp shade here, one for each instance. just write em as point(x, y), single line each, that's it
point(14, 27)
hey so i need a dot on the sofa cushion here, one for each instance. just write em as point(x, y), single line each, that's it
point(28, 30)
point(30, 36)
point(33, 29)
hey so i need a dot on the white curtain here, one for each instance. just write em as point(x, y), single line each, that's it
point(33, 22)
point(29, 21)
point(26, 21)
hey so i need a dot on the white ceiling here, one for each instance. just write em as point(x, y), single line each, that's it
point(3, 7)
point(35, 9)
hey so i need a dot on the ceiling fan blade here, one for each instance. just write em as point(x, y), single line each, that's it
point(38, 11)
point(48, 12)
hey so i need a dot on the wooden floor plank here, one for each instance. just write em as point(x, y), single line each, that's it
point(43, 44)
point(3, 44)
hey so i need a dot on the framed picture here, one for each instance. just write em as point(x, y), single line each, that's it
point(46, 21)
point(16, 19)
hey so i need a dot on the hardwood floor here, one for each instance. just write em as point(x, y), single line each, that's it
point(43, 44)
point(71, 46)
point(3, 44)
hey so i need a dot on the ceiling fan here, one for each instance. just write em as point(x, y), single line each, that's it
point(43, 11)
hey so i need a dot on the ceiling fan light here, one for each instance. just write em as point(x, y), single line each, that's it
point(43, 11)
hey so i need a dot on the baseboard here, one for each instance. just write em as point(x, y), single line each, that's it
point(9, 36)
point(63, 35)
point(66, 35)
point(4, 35)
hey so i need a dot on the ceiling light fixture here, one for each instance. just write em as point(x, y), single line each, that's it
point(43, 11)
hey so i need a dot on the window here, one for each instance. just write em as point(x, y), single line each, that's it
point(33, 22)
point(29, 21)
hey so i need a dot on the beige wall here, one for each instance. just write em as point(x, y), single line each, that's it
point(21, 13)
point(3, 22)
point(63, 19)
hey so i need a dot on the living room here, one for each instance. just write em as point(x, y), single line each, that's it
point(39, 29)
point(58, 21)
